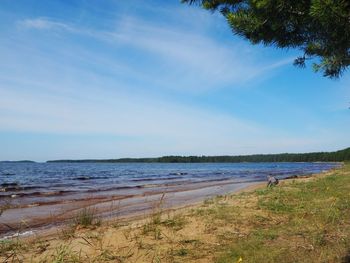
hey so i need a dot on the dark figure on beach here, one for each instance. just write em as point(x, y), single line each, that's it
point(271, 181)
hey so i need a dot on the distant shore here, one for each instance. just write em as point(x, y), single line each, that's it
point(336, 156)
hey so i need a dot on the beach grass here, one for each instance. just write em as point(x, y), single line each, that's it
point(300, 220)
point(12, 250)
point(297, 222)
point(86, 217)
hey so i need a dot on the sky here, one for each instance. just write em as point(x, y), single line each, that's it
point(110, 79)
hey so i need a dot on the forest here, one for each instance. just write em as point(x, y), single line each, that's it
point(336, 156)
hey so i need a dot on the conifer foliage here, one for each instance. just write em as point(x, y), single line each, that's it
point(319, 28)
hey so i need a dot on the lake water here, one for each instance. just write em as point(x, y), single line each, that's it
point(36, 190)
point(31, 183)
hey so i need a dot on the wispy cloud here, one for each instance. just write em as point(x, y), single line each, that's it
point(43, 23)
point(191, 59)
point(160, 127)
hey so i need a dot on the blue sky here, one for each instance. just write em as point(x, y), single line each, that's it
point(109, 79)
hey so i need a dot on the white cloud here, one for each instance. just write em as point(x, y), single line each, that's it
point(43, 23)
point(148, 126)
point(110, 113)
point(180, 58)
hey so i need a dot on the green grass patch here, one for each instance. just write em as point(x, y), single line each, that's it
point(304, 222)
point(13, 250)
point(86, 217)
point(182, 252)
point(63, 254)
point(177, 222)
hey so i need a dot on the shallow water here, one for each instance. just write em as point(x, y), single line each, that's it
point(48, 180)
point(39, 191)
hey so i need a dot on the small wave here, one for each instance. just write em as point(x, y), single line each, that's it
point(7, 174)
point(9, 184)
point(108, 189)
point(153, 179)
point(208, 180)
point(84, 178)
point(18, 188)
point(36, 194)
point(31, 187)
point(116, 188)
point(25, 233)
point(61, 192)
point(144, 179)
point(181, 173)
point(7, 187)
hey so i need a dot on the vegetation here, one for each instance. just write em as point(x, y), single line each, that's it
point(338, 156)
point(320, 28)
point(23, 161)
point(86, 217)
point(298, 222)
point(12, 250)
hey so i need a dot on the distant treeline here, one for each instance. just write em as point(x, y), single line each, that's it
point(338, 156)
point(22, 161)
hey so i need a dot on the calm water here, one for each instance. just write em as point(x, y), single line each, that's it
point(45, 181)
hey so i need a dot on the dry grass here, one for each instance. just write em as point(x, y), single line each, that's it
point(12, 250)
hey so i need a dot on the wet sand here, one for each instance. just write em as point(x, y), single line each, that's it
point(40, 217)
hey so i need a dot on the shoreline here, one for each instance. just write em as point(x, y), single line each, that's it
point(145, 205)
point(129, 208)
